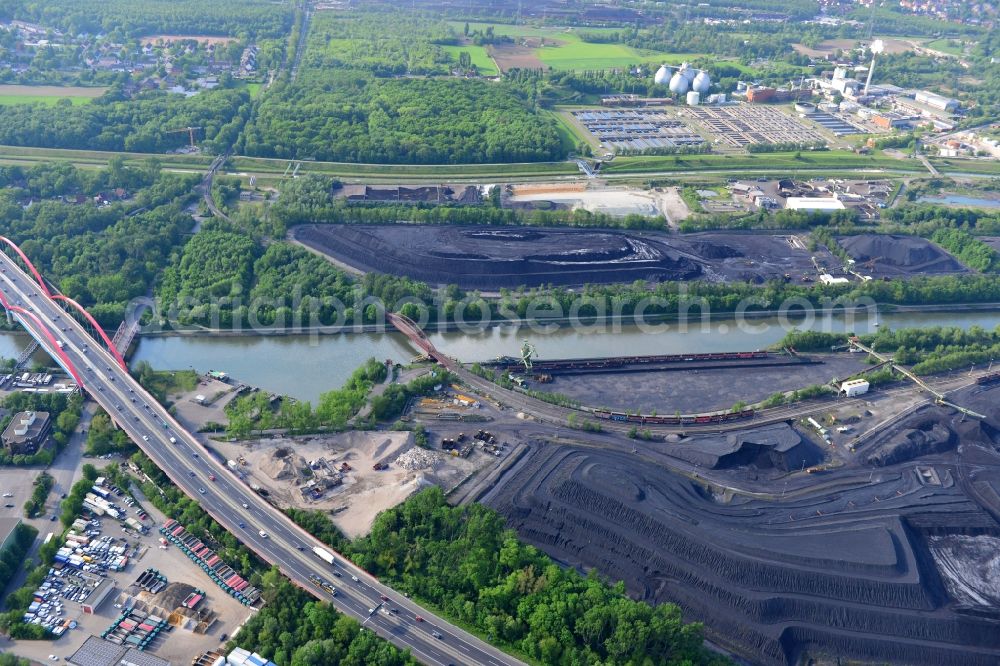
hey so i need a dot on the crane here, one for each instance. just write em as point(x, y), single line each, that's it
point(189, 130)
point(527, 351)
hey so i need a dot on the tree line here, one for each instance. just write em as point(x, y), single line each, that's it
point(312, 199)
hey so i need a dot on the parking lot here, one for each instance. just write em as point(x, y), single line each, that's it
point(71, 588)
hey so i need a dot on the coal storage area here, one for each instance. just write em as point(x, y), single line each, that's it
point(492, 258)
point(842, 566)
point(486, 257)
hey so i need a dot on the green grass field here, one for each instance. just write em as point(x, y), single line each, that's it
point(958, 166)
point(943, 46)
point(49, 100)
point(577, 54)
point(480, 58)
point(50, 95)
point(568, 134)
point(574, 53)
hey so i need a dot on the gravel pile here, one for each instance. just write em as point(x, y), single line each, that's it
point(416, 458)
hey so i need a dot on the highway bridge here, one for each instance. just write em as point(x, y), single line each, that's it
point(100, 370)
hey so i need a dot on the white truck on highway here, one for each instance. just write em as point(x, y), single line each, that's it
point(324, 554)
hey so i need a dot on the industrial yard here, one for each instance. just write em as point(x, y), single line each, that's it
point(716, 521)
point(692, 387)
point(126, 589)
point(351, 476)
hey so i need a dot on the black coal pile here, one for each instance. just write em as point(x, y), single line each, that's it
point(835, 572)
point(495, 258)
point(907, 253)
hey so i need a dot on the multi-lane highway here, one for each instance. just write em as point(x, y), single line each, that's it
point(257, 524)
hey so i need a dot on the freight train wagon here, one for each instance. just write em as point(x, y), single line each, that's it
point(619, 361)
point(988, 380)
point(644, 419)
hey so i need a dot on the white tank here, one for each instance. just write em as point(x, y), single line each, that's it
point(702, 82)
point(678, 84)
point(662, 75)
point(688, 72)
point(693, 98)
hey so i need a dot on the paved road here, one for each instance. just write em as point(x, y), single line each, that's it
point(257, 524)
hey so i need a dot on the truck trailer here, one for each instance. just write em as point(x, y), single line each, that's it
point(324, 554)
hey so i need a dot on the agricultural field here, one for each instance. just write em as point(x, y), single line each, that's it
point(11, 94)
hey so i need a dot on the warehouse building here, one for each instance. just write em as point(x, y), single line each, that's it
point(8, 526)
point(99, 652)
point(935, 101)
point(814, 203)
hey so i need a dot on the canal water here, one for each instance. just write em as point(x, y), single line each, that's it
point(306, 366)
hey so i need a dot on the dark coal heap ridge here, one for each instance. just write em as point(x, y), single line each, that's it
point(903, 251)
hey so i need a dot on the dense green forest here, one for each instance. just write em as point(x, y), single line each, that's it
point(13, 556)
point(148, 17)
point(342, 109)
point(973, 252)
point(139, 124)
point(465, 562)
point(386, 44)
point(225, 279)
point(101, 255)
point(351, 116)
